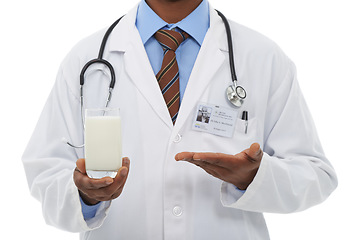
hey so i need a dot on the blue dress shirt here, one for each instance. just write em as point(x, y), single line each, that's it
point(148, 23)
point(196, 25)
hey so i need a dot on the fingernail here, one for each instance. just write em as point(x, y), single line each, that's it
point(125, 160)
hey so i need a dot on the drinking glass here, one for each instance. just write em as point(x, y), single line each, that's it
point(103, 142)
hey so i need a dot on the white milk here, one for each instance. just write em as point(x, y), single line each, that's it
point(103, 144)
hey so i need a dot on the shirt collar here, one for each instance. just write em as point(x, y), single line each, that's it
point(196, 24)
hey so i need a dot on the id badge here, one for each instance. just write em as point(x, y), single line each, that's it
point(215, 120)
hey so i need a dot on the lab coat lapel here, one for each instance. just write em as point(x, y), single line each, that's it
point(137, 65)
point(208, 62)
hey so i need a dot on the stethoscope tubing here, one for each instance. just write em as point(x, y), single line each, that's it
point(230, 47)
point(96, 61)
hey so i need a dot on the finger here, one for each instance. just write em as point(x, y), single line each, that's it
point(98, 189)
point(81, 165)
point(208, 166)
point(121, 177)
point(84, 183)
point(212, 169)
point(184, 156)
point(254, 153)
point(219, 159)
point(122, 173)
point(126, 162)
point(115, 189)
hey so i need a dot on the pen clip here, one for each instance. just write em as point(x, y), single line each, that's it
point(245, 118)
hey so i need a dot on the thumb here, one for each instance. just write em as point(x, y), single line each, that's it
point(81, 165)
point(255, 152)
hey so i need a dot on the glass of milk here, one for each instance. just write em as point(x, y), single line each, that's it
point(103, 142)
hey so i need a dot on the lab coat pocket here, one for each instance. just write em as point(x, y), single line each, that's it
point(245, 133)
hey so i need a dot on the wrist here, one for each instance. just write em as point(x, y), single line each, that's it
point(243, 185)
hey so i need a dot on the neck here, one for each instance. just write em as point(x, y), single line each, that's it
point(173, 11)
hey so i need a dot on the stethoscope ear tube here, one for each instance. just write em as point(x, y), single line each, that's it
point(101, 61)
point(82, 80)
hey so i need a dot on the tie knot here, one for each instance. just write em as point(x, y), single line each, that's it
point(170, 39)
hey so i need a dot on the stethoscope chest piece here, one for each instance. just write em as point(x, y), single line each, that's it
point(236, 95)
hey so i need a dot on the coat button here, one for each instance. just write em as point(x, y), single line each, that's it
point(177, 211)
point(177, 138)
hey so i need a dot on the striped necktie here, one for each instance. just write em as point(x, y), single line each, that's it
point(168, 75)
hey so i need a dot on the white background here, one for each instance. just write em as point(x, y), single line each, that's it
point(37, 34)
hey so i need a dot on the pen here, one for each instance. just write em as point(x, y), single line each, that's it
point(245, 118)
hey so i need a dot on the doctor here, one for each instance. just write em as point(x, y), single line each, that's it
point(277, 165)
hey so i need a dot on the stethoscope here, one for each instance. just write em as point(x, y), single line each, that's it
point(235, 93)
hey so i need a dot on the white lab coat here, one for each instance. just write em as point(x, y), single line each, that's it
point(165, 199)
